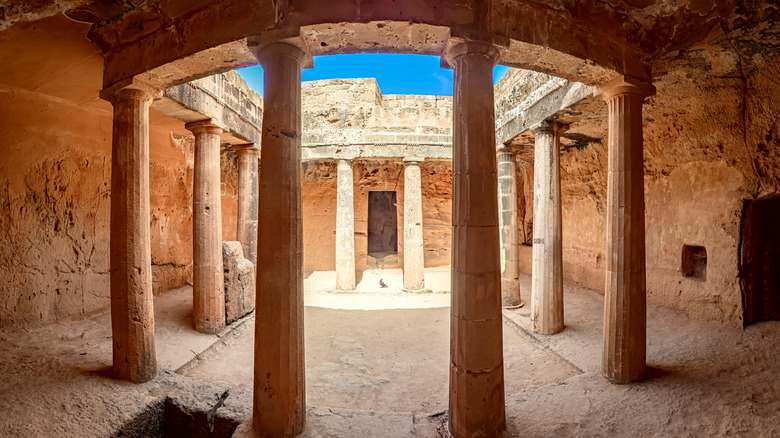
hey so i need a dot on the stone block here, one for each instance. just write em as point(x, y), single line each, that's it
point(239, 282)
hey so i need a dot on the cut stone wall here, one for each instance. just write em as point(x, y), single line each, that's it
point(351, 118)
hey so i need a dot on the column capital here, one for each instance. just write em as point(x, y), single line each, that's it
point(345, 160)
point(550, 126)
point(131, 89)
point(292, 47)
point(504, 149)
point(413, 160)
point(203, 127)
point(627, 85)
point(246, 148)
point(492, 47)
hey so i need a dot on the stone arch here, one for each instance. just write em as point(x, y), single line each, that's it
point(216, 37)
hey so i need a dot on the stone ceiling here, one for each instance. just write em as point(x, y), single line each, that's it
point(658, 30)
point(656, 26)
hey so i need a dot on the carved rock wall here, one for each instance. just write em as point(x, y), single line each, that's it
point(55, 174)
point(712, 143)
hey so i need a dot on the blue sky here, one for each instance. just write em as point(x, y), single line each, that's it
point(395, 73)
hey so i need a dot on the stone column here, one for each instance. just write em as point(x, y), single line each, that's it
point(476, 405)
point(624, 299)
point(279, 385)
point(345, 228)
point(132, 305)
point(507, 224)
point(208, 285)
point(414, 255)
point(547, 263)
point(248, 198)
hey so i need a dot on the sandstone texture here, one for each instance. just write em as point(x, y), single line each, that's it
point(710, 147)
point(711, 132)
point(56, 187)
point(662, 199)
point(56, 191)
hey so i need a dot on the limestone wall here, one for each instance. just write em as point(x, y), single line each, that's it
point(353, 112)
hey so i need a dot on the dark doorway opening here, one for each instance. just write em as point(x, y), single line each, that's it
point(382, 223)
point(760, 264)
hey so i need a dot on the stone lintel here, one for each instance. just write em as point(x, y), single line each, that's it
point(353, 152)
point(563, 102)
point(192, 102)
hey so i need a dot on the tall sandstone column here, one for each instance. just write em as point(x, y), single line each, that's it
point(345, 227)
point(132, 305)
point(414, 255)
point(476, 405)
point(208, 286)
point(248, 198)
point(507, 225)
point(625, 307)
point(279, 385)
point(547, 264)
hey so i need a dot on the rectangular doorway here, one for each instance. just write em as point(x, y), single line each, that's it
point(382, 223)
point(760, 263)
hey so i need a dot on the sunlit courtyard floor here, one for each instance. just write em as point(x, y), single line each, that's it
point(704, 379)
point(377, 365)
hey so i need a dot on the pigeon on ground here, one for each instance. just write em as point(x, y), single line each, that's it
point(382, 283)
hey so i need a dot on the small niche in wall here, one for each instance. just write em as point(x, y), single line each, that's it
point(694, 262)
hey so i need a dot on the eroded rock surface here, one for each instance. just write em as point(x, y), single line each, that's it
point(239, 282)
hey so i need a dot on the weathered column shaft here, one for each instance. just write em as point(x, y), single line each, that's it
point(547, 264)
point(345, 227)
point(507, 215)
point(279, 385)
point(208, 288)
point(625, 300)
point(248, 198)
point(132, 305)
point(414, 253)
point(476, 363)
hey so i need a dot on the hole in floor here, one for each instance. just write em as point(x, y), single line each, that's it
point(168, 418)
